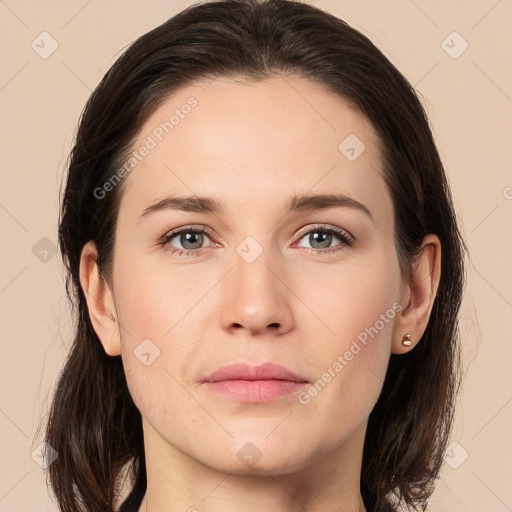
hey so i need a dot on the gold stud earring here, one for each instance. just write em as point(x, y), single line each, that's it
point(406, 340)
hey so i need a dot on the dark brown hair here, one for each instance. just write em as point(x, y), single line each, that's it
point(93, 423)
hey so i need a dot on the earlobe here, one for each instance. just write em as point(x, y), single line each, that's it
point(100, 302)
point(418, 296)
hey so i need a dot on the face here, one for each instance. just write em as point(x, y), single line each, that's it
point(253, 268)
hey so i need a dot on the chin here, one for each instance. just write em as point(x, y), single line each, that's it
point(259, 457)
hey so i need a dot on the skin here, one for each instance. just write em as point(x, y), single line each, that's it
point(251, 146)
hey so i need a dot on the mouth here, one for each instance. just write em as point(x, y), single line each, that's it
point(263, 383)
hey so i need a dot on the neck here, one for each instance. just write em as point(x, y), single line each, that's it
point(329, 483)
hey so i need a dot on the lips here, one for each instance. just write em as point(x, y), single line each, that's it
point(252, 384)
point(242, 371)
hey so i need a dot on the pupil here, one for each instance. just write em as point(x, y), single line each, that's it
point(191, 238)
point(322, 238)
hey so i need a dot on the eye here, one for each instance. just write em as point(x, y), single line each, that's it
point(187, 240)
point(324, 237)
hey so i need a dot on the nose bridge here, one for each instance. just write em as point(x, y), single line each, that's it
point(254, 297)
point(254, 273)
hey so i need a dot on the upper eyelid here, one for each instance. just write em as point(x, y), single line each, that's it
point(325, 227)
point(185, 229)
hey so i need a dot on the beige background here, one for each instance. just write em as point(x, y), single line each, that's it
point(469, 101)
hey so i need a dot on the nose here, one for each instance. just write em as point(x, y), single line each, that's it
point(256, 297)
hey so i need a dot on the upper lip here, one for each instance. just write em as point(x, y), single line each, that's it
point(243, 371)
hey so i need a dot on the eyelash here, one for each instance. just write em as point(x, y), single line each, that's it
point(346, 239)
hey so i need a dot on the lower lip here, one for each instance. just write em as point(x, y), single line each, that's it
point(255, 390)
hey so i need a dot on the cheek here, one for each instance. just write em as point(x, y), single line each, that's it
point(158, 311)
point(357, 308)
point(155, 302)
point(344, 302)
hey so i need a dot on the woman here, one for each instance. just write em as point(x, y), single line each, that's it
point(267, 270)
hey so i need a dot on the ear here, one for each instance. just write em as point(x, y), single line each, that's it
point(100, 301)
point(418, 295)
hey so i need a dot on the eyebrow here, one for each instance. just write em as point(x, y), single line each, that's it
point(303, 202)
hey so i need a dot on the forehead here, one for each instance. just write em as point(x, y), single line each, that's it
point(255, 140)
